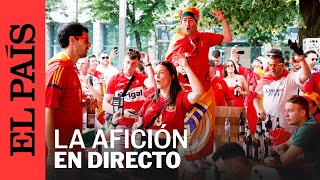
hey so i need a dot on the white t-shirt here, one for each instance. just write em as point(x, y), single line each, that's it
point(108, 72)
point(275, 96)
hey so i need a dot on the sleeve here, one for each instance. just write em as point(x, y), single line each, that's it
point(111, 87)
point(55, 87)
point(186, 104)
point(215, 39)
point(295, 78)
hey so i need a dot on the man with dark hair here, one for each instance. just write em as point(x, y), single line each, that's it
point(218, 66)
point(194, 44)
point(134, 98)
point(63, 92)
point(277, 85)
point(231, 162)
point(313, 83)
point(312, 58)
point(305, 140)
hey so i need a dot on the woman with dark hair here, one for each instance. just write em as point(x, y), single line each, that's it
point(168, 106)
point(237, 84)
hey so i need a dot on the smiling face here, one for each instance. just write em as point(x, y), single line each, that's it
point(312, 59)
point(189, 25)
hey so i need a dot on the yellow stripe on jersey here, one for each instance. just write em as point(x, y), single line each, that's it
point(57, 75)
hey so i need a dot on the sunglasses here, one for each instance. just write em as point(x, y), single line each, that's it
point(230, 65)
point(275, 65)
point(134, 51)
point(295, 61)
point(314, 59)
point(105, 57)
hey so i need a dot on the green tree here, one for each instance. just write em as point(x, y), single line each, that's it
point(142, 15)
point(55, 6)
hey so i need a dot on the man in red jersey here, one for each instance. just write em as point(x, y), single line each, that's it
point(195, 45)
point(63, 93)
point(134, 97)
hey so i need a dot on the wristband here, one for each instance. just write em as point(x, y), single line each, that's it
point(114, 125)
point(148, 65)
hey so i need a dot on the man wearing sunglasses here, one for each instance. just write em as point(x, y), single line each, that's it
point(313, 83)
point(277, 86)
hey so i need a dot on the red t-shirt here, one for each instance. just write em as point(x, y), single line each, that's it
point(237, 101)
point(218, 71)
point(313, 83)
point(221, 91)
point(63, 93)
point(197, 53)
point(135, 95)
point(172, 116)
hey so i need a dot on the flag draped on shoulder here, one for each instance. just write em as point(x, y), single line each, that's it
point(200, 124)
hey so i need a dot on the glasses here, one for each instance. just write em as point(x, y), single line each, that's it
point(295, 61)
point(230, 65)
point(275, 65)
point(105, 57)
point(134, 51)
point(314, 59)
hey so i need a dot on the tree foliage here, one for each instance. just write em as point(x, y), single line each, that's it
point(259, 20)
point(55, 6)
point(141, 18)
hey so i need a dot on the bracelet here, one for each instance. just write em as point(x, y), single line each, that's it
point(148, 65)
point(114, 125)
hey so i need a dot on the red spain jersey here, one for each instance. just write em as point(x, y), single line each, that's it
point(172, 116)
point(63, 93)
point(221, 91)
point(134, 97)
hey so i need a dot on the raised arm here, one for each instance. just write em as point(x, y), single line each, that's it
point(305, 70)
point(197, 88)
point(150, 81)
point(226, 32)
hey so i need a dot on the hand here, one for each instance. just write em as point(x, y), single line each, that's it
point(180, 60)
point(219, 15)
point(181, 70)
point(238, 89)
point(136, 125)
point(262, 114)
point(127, 114)
point(116, 117)
point(144, 57)
point(113, 53)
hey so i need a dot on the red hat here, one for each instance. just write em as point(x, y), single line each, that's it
point(193, 12)
point(312, 96)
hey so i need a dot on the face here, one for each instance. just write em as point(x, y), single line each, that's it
point(162, 76)
point(189, 25)
point(216, 61)
point(256, 64)
point(296, 64)
point(104, 59)
point(275, 68)
point(82, 44)
point(230, 67)
point(312, 60)
point(294, 114)
point(93, 63)
point(83, 65)
point(130, 65)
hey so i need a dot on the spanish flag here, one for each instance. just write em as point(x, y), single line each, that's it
point(200, 124)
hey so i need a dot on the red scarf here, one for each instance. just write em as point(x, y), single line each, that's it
point(251, 111)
